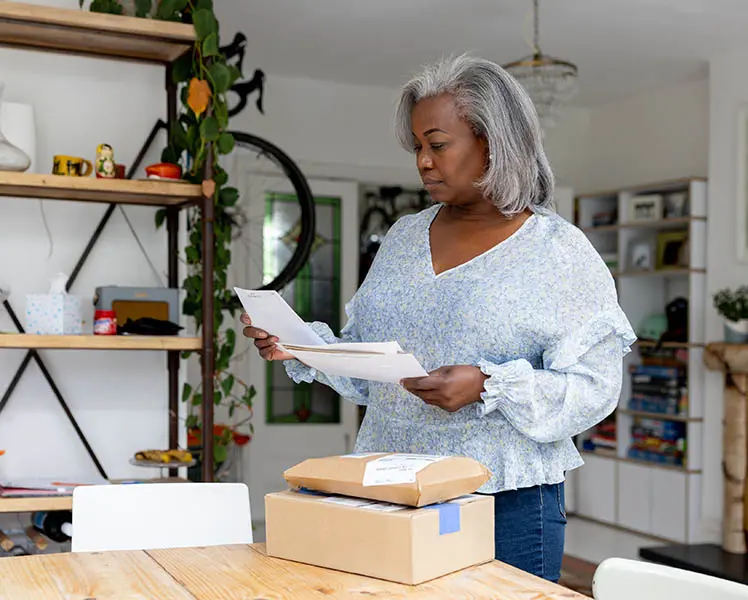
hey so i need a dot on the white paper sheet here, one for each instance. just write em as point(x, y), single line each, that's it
point(269, 311)
point(396, 468)
point(388, 368)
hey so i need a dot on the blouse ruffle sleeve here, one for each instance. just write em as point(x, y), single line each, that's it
point(578, 387)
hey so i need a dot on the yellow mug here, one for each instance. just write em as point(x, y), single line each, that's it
point(72, 166)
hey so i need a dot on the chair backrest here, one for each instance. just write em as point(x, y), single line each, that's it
point(147, 516)
point(624, 579)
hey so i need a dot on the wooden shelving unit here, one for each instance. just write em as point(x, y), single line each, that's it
point(91, 189)
point(82, 32)
point(99, 342)
point(658, 499)
point(73, 31)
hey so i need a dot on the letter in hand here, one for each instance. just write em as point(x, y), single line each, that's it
point(264, 342)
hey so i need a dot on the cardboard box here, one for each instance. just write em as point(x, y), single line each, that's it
point(392, 542)
point(53, 314)
point(411, 479)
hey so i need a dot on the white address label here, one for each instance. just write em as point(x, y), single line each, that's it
point(397, 468)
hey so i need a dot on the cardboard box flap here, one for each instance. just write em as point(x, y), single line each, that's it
point(410, 479)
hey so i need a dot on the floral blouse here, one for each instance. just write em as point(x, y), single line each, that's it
point(538, 313)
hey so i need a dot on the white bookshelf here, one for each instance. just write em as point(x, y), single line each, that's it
point(648, 497)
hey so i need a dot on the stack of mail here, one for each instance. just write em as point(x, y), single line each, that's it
point(383, 361)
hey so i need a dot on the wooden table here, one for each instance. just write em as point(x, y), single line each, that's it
point(240, 573)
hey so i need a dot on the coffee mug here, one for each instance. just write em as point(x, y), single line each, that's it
point(72, 166)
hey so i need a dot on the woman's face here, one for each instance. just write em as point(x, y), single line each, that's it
point(449, 156)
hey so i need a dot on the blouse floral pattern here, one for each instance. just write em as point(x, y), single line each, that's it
point(537, 313)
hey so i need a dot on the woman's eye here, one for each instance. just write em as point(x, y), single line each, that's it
point(437, 146)
point(416, 148)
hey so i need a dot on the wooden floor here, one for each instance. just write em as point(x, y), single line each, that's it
point(576, 574)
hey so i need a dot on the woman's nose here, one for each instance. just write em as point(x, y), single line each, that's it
point(424, 161)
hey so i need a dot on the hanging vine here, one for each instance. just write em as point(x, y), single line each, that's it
point(205, 77)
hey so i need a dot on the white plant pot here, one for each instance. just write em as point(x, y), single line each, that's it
point(736, 332)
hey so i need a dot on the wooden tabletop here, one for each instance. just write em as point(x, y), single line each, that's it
point(241, 573)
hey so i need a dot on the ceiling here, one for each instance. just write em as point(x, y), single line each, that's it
point(622, 47)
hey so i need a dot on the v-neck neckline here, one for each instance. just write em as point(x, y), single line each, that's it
point(491, 250)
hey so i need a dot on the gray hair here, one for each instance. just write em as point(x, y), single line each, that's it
point(518, 175)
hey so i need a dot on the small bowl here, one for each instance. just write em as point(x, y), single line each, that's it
point(164, 171)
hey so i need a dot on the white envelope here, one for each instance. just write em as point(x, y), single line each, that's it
point(373, 362)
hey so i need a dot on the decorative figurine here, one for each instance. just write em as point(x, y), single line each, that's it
point(105, 165)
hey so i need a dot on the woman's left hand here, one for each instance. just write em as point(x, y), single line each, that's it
point(449, 388)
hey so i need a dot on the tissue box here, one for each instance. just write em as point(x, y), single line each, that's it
point(387, 541)
point(53, 314)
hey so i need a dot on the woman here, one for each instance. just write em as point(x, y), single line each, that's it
point(508, 306)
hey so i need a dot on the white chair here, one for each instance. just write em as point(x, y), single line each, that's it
point(624, 579)
point(147, 516)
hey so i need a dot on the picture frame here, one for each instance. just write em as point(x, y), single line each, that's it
point(640, 256)
point(676, 205)
point(646, 208)
point(672, 249)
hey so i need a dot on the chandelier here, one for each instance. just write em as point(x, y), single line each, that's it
point(550, 82)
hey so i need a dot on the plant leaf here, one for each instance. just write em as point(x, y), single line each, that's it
point(160, 218)
point(221, 111)
point(143, 8)
point(229, 196)
point(178, 136)
point(221, 178)
point(210, 45)
point(199, 95)
point(220, 452)
point(166, 9)
point(204, 5)
point(181, 70)
point(205, 23)
point(225, 143)
point(227, 384)
point(209, 129)
point(197, 399)
point(186, 392)
point(221, 77)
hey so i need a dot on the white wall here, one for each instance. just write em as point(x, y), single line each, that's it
point(662, 134)
point(120, 399)
point(728, 91)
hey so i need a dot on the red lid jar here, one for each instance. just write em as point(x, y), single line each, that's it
point(105, 322)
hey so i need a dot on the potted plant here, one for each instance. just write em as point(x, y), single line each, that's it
point(732, 305)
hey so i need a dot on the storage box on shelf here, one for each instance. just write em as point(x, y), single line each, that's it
point(121, 38)
point(653, 238)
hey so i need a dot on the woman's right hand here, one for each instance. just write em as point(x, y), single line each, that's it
point(264, 342)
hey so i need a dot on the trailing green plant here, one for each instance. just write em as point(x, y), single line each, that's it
point(205, 78)
point(732, 304)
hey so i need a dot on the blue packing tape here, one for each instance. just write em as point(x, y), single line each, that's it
point(303, 490)
point(449, 517)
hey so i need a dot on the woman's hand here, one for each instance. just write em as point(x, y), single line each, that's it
point(449, 388)
point(264, 342)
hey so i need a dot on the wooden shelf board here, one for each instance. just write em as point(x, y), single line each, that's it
point(94, 34)
point(652, 415)
point(657, 273)
point(91, 189)
point(659, 224)
point(98, 342)
point(22, 505)
point(17, 505)
point(644, 463)
point(667, 185)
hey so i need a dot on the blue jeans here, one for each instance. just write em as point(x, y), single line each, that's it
point(529, 527)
